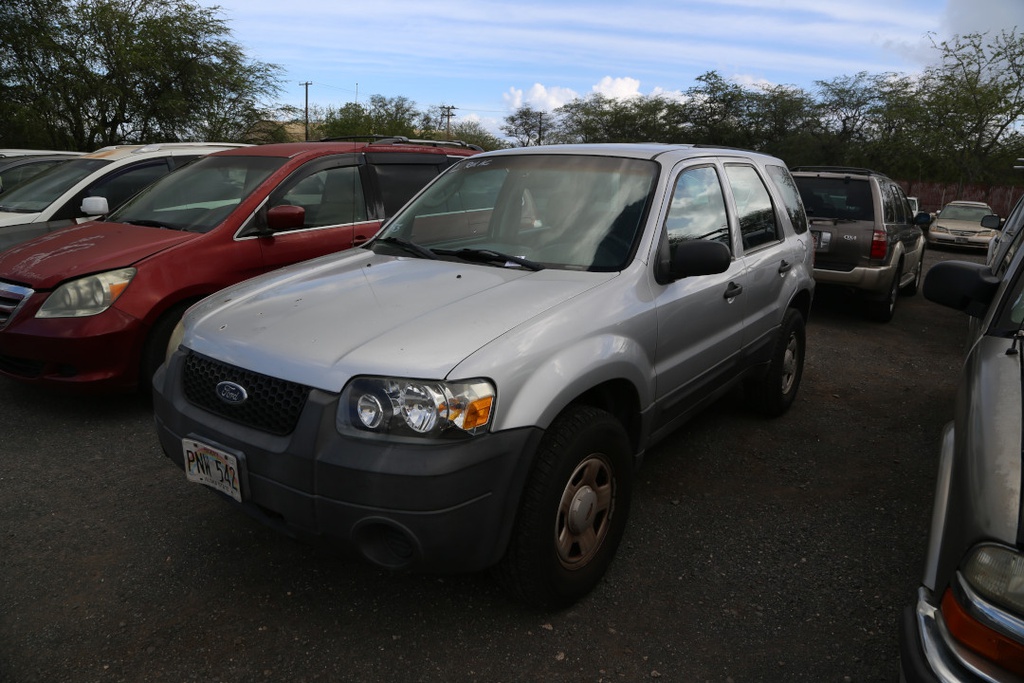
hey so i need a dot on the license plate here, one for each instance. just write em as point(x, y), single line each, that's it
point(822, 240)
point(211, 467)
point(961, 240)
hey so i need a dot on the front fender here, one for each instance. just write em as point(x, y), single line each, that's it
point(535, 392)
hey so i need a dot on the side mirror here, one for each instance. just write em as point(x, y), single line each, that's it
point(285, 217)
point(991, 221)
point(961, 285)
point(699, 257)
point(95, 206)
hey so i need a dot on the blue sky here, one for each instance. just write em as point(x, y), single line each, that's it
point(488, 58)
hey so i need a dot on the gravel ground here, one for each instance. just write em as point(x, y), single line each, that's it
point(757, 550)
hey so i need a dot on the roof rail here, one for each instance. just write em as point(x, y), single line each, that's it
point(852, 170)
point(402, 140)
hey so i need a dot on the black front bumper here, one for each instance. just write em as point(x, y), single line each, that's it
point(445, 506)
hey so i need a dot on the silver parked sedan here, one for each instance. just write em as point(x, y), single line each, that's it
point(967, 623)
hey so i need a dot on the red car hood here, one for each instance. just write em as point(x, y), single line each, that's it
point(44, 262)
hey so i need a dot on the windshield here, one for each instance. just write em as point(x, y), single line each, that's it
point(843, 198)
point(197, 197)
point(40, 191)
point(956, 212)
point(572, 212)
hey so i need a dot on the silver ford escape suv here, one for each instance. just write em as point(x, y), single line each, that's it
point(475, 387)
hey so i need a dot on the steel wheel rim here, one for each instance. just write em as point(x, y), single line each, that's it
point(789, 364)
point(585, 511)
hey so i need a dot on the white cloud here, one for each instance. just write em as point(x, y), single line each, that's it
point(539, 97)
point(618, 88)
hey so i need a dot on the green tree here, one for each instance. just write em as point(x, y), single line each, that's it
point(844, 110)
point(349, 119)
point(713, 112)
point(528, 126)
point(392, 116)
point(473, 133)
point(974, 105)
point(80, 75)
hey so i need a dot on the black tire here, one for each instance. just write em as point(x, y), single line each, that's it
point(155, 349)
point(774, 393)
point(882, 310)
point(573, 510)
point(911, 289)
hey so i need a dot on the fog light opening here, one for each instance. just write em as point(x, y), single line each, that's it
point(386, 543)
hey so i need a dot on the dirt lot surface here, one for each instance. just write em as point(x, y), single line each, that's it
point(757, 550)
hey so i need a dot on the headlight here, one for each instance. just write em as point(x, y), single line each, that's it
point(939, 228)
point(412, 407)
point(997, 574)
point(87, 295)
point(177, 334)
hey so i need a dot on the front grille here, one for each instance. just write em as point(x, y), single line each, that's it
point(273, 405)
point(12, 297)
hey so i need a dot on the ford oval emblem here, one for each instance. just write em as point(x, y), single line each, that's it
point(231, 393)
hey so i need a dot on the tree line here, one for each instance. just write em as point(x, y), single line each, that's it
point(80, 75)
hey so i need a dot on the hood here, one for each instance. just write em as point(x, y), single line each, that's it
point(322, 322)
point(962, 226)
point(44, 262)
point(12, 218)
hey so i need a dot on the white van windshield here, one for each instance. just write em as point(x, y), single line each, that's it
point(37, 193)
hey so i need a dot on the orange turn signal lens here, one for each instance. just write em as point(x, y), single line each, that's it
point(974, 635)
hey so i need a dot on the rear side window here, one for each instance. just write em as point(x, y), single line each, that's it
point(891, 210)
point(333, 196)
point(790, 197)
point(399, 182)
point(756, 213)
point(900, 206)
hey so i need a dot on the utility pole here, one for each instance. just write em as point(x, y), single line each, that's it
point(447, 110)
point(307, 84)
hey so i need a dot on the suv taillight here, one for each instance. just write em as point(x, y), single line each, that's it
point(879, 244)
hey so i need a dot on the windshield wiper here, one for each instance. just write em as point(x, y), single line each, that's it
point(11, 209)
point(411, 247)
point(490, 256)
point(151, 224)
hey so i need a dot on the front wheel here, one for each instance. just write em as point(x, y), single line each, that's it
point(573, 510)
point(155, 349)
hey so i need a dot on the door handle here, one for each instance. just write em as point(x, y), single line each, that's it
point(733, 290)
point(785, 266)
point(359, 239)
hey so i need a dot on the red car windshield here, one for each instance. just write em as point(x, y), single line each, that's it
point(198, 197)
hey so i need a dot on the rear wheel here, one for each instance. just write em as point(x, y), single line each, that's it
point(573, 511)
point(773, 394)
point(911, 289)
point(882, 310)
